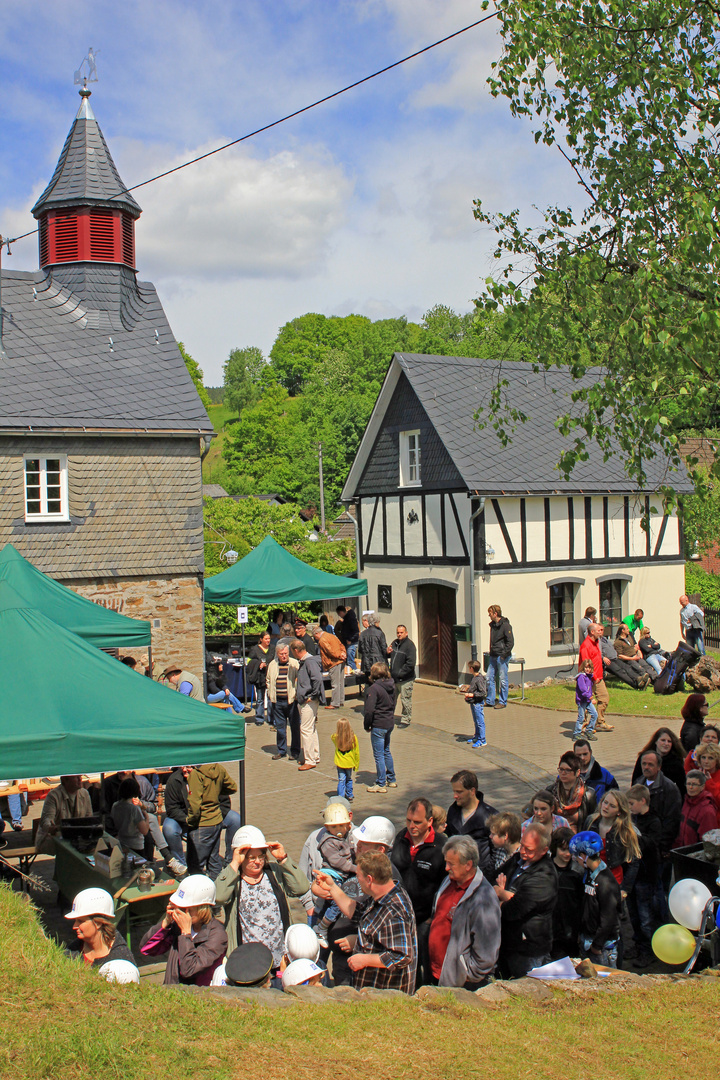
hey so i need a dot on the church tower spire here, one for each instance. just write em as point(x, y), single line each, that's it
point(85, 213)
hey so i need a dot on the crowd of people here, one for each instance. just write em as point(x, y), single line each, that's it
point(453, 897)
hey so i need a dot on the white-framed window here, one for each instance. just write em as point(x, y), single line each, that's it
point(410, 458)
point(46, 488)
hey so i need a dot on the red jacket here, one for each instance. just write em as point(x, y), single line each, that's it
point(698, 816)
point(590, 650)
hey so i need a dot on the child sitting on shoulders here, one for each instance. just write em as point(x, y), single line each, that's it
point(347, 757)
point(337, 858)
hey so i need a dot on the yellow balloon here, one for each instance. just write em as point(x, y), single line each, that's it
point(673, 944)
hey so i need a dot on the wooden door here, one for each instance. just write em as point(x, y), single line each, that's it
point(437, 648)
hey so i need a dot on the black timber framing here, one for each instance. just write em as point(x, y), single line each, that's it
point(504, 531)
point(571, 529)
point(401, 504)
point(588, 527)
point(661, 536)
point(523, 532)
point(548, 547)
point(626, 525)
point(606, 525)
point(459, 527)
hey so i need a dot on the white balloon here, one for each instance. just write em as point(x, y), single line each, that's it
point(687, 900)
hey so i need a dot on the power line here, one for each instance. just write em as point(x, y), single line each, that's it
point(289, 116)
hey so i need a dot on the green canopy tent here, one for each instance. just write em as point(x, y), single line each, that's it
point(94, 624)
point(271, 575)
point(82, 711)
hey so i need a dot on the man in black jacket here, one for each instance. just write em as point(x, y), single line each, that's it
point(527, 888)
point(372, 648)
point(500, 650)
point(175, 825)
point(309, 691)
point(403, 657)
point(468, 816)
point(665, 799)
point(646, 902)
point(418, 855)
point(348, 630)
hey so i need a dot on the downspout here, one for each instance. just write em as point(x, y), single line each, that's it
point(473, 621)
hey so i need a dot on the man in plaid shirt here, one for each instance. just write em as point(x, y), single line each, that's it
point(384, 953)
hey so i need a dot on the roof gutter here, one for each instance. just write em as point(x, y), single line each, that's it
point(149, 433)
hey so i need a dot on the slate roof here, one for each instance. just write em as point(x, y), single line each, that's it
point(85, 174)
point(89, 347)
point(214, 491)
point(452, 388)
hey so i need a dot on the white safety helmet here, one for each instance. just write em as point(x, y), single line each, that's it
point(336, 814)
point(301, 942)
point(249, 836)
point(375, 830)
point(92, 902)
point(120, 971)
point(194, 891)
point(299, 972)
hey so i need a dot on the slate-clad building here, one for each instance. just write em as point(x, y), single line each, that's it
point(428, 484)
point(101, 427)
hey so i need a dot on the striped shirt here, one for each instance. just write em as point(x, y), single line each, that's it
point(387, 928)
point(281, 689)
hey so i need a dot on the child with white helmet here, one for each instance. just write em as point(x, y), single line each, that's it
point(336, 851)
point(120, 971)
point(97, 940)
point(302, 973)
point(194, 941)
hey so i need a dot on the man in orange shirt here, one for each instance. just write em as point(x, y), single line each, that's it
point(333, 656)
point(590, 650)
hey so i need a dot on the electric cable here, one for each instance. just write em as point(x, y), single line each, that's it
point(283, 119)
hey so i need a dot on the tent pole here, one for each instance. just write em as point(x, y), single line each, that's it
point(150, 664)
point(241, 789)
point(244, 669)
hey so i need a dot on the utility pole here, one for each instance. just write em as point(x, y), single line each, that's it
point(322, 491)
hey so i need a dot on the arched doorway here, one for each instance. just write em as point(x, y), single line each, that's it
point(437, 648)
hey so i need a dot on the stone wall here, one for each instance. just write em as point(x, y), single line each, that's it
point(173, 602)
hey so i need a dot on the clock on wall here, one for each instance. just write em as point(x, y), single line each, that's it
point(384, 597)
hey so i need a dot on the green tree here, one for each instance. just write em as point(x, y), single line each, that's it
point(630, 280)
point(195, 374)
point(243, 373)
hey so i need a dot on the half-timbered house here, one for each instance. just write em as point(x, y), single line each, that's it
point(450, 521)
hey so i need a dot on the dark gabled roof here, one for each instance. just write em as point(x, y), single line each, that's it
point(451, 389)
point(85, 174)
point(214, 491)
point(89, 347)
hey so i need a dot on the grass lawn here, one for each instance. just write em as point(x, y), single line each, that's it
point(219, 414)
point(624, 701)
point(60, 1020)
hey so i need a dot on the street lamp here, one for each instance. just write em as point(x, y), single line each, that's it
point(230, 557)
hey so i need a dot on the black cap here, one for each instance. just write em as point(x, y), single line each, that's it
point(248, 965)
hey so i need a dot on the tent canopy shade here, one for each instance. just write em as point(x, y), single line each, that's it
point(271, 575)
point(84, 712)
point(95, 624)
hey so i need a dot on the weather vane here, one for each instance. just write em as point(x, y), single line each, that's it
point(87, 72)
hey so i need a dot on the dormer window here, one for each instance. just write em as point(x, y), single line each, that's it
point(410, 458)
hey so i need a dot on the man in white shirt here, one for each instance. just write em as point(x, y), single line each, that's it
point(692, 624)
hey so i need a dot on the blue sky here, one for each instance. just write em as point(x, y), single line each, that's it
point(363, 204)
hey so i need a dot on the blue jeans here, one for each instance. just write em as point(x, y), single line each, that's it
point(478, 715)
point(206, 842)
point(16, 808)
point(351, 654)
point(345, 782)
point(645, 904)
point(608, 955)
point(592, 713)
point(259, 704)
point(653, 660)
point(173, 833)
point(497, 667)
point(222, 696)
point(380, 741)
point(283, 714)
point(695, 640)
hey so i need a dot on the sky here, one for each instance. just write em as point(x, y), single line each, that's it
point(364, 204)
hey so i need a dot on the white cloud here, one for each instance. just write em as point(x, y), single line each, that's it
point(236, 215)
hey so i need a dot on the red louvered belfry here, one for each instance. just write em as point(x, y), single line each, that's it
point(86, 214)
